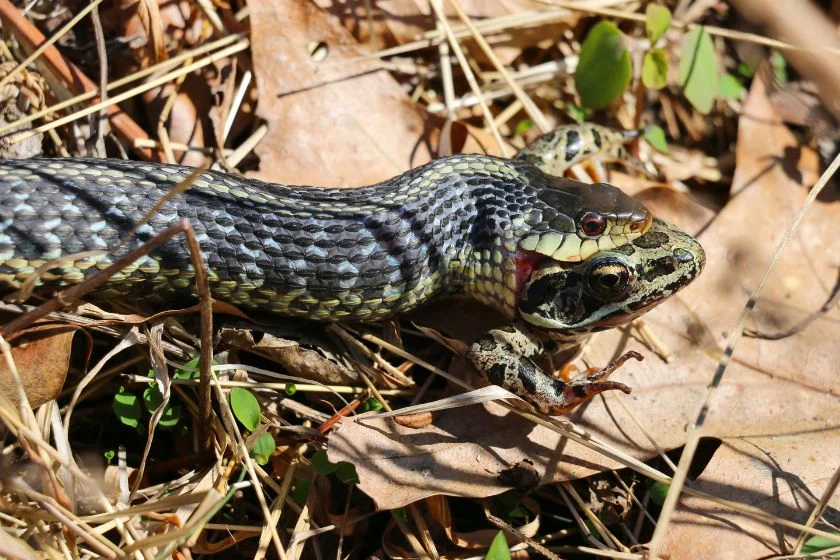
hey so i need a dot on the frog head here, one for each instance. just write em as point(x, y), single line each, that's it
point(611, 288)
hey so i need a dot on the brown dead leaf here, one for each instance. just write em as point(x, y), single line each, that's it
point(298, 358)
point(42, 356)
point(782, 387)
point(783, 476)
point(366, 129)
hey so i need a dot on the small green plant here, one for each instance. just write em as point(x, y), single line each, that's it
point(605, 69)
point(372, 405)
point(127, 406)
point(246, 408)
point(345, 472)
point(499, 549)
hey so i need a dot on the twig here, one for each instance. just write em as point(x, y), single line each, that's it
point(97, 140)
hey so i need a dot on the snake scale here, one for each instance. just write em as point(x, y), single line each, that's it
point(492, 228)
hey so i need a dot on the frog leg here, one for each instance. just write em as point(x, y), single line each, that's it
point(505, 357)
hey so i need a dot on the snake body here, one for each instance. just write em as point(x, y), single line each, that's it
point(561, 259)
point(458, 223)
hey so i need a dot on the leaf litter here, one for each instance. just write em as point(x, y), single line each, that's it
point(776, 401)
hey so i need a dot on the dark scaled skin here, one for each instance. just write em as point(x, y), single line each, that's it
point(564, 303)
point(488, 227)
point(363, 254)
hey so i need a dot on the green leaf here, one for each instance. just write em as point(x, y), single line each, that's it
point(576, 112)
point(699, 69)
point(245, 407)
point(499, 549)
point(817, 544)
point(604, 68)
point(127, 408)
point(109, 455)
point(401, 514)
point(658, 491)
point(745, 70)
point(523, 126)
point(291, 389)
point(656, 138)
point(321, 464)
point(655, 69)
point(372, 404)
point(263, 448)
point(152, 397)
point(300, 490)
point(187, 372)
point(170, 417)
point(731, 87)
point(657, 22)
point(346, 473)
point(780, 70)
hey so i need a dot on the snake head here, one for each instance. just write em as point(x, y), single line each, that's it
point(572, 220)
point(612, 287)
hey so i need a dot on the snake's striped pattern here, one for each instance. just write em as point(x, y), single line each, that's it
point(466, 222)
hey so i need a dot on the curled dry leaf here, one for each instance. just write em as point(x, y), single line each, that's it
point(785, 386)
point(41, 355)
point(297, 357)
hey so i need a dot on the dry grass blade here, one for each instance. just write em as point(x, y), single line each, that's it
point(51, 41)
point(140, 74)
point(166, 78)
point(524, 98)
point(437, 5)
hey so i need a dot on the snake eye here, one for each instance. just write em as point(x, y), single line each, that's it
point(592, 224)
point(609, 279)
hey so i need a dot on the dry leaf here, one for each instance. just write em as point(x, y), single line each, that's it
point(298, 357)
point(42, 356)
point(404, 21)
point(365, 128)
point(782, 476)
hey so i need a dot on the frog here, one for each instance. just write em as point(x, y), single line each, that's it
point(563, 304)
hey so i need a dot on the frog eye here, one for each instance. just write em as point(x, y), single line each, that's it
point(592, 224)
point(609, 279)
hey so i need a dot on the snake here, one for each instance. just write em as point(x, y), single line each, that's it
point(488, 227)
